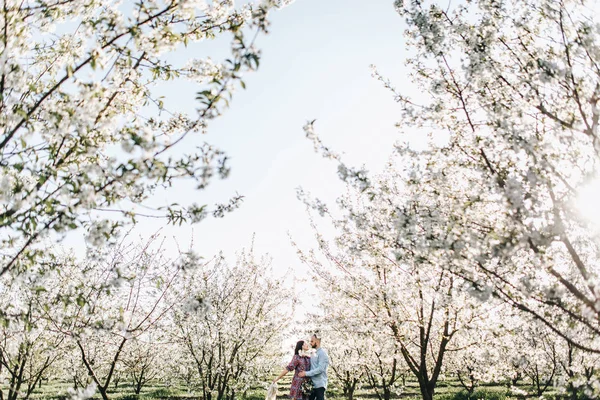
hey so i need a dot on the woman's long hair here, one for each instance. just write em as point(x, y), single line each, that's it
point(298, 346)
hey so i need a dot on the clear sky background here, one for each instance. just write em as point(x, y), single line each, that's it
point(315, 65)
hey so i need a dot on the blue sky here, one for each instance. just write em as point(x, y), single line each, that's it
point(315, 65)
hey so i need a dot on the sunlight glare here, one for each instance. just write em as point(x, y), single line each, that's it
point(588, 203)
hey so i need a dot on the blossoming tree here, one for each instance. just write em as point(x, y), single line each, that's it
point(84, 134)
point(476, 357)
point(29, 348)
point(142, 361)
point(381, 261)
point(349, 340)
point(229, 326)
point(115, 297)
point(509, 95)
point(512, 99)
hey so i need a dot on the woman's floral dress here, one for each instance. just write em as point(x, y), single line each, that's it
point(298, 364)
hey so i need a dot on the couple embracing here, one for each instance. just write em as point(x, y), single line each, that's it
point(309, 365)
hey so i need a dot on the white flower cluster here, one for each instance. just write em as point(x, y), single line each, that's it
point(204, 70)
point(99, 232)
point(82, 393)
point(195, 305)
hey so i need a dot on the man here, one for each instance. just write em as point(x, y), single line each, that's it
point(318, 369)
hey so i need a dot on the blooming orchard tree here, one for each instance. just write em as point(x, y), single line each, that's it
point(346, 336)
point(178, 367)
point(29, 347)
point(83, 132)
point(382, 261)
point(476, 357)
point(231, 323)
point(383, 365)
point(142, 361)
point(510, 350)
point(72, 370)
point(512, 110)
point(115, 296)
point(361, 351)
point(346, 362)
point(514, 87)
point(536, 359)
point(579, 376)
point(128, 314)
point(535, 354)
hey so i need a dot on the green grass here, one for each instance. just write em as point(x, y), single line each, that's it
point(446, 390)
point(485, 393)
point(59, 391)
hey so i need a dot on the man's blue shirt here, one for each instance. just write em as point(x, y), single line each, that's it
point(318, 369)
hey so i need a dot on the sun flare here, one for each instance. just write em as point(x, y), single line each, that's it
point(588, 203)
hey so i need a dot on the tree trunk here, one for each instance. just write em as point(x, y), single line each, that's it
point(426, 387)
point(351, 390)
point(387, 393)
point(138, 386)
point(470, 386)
point(17, 378)
point(516, 378)
point(103, 393)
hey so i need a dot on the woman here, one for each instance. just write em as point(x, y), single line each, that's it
point(300, 362)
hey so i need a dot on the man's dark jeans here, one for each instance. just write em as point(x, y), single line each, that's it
point(317, 394)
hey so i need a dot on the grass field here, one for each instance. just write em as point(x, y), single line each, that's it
point(446, 390)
